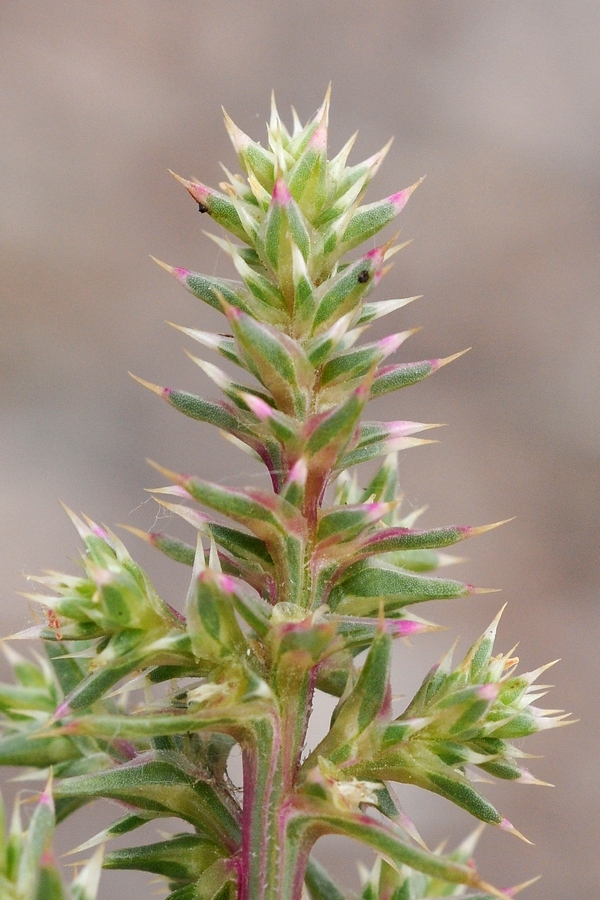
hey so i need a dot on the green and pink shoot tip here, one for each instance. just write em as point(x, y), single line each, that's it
point(298, 585)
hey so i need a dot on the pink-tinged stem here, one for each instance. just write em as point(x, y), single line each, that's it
point(273, 472)
point(263, 785)
point(296, 841)
point(249, 767)
point(270, 765)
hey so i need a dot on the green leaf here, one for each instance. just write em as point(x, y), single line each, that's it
point(394, 377)
point(22, 750)
point(412, 762)
point(247, 546)
point(319, 819)
point(217, 882)
point(214, 290)
point(278, 361)
point(463, 794)
point(320, 348)
point(219, 207)
point(319, 884)
point(369, 584)
point(361, 708)
point(68, 670)
point(343, 292)
point(85, 885)
point(172, 547)
point(369, 219)
point(379, 308)
point(123, 654)
point(304, 292)
point(124, 825)
point(253, 158)
point(329, 433)
point(384, 485)
point(396, 538)
point(333, 673)
point(181, 858)
point(350, 366)
point(375, 448)
point(39, 837)
point(18, 699)
point(266, 515)
point(211, 622)
point(257, 281)
point(160, 785)
point(217, 414)
point(419, 560)
point(307, 178)
point(285, 226)
point(358, 633)
point(237, 719)
point(346, 522)
point(49, 885)
point(222, 343)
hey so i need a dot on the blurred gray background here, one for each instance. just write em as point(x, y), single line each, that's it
point(499, 105)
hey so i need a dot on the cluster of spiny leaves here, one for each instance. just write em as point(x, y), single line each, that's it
point(28, 870)
point(288, 586)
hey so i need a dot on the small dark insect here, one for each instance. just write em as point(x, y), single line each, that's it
point(363, 276)
point(202, 208)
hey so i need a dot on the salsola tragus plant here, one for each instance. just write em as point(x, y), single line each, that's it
point(288, 586)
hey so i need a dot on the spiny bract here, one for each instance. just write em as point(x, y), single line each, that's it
point(288, 586)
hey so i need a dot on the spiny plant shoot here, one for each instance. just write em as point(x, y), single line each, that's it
point(141, 699)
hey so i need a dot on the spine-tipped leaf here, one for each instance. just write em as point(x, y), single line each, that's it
point(368, 585)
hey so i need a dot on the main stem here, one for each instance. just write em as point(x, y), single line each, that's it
point(263, 786)
point(270, 765)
